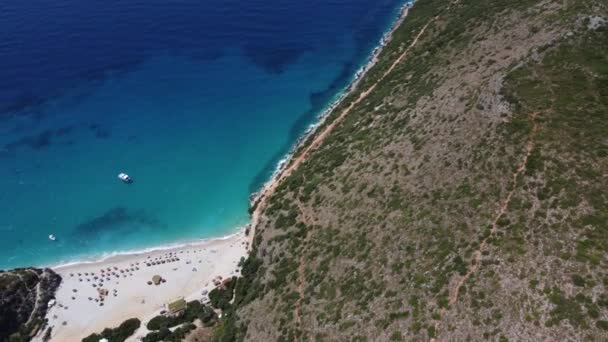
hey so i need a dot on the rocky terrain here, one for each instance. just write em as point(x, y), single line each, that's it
point(458, 193)
point(24, 297)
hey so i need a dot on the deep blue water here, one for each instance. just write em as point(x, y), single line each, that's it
point(196, 99)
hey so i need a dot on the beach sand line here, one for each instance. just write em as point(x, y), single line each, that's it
point(127, 294)
point(97, 295)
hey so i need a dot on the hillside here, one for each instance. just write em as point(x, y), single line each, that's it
point(24, 297)
point(458, 193)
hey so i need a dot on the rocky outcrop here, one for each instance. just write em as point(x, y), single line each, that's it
point(24, 297)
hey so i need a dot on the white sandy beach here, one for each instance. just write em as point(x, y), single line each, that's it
point(75, 316)
point(79, 311)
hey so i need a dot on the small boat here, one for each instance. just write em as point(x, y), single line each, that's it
point(52, 237)
point(125, 178)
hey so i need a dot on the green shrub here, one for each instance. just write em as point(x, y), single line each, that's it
point(459, 265)
point(602, 325)
point(166, 335)
point(160, 335)
point(396, 336)
point(247, 287)
point(126, 329)
point(220, 298)
point(158, 322)
point(227, 329)
point(194, 310)
point(578, 280)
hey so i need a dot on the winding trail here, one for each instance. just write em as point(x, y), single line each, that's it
point(38, 293)
point(318, 139)
point(503, 209)
point(296, 161)
point(308, 221)
point(320, 136)
point(29, 290)
point(36, 302)
point(476, 260)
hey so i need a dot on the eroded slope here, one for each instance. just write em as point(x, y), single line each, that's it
point(461, 197)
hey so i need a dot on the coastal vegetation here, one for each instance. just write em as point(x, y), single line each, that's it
point(24, 297)
point(166, 335)
point(118, 334)
point(176, 327)
point(457, 193)
point(164, 327)
point(194, 310)
point(221, 296)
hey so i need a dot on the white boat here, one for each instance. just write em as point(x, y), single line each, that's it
point(124, 177)
point(52, 237)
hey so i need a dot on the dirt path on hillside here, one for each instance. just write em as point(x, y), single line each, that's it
point(320, 137)
point(38, 289)
point(308, 221)
point(476, 260)
point(503, 209)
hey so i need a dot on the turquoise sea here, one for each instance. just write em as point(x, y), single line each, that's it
point(196, 100)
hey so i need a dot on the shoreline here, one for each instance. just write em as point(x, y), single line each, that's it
point(103, 294)
point(279, 169)
point(146, 250)
point(325, 113)
point(116, 287)
point(284, 164)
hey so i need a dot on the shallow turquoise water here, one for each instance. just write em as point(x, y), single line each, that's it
point(197, 135)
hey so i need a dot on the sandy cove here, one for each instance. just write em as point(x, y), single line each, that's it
point(198, 263)
point(188, 271)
